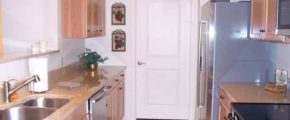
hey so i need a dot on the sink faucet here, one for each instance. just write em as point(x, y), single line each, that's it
point(8, 90)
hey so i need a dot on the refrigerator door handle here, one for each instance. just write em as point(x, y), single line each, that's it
point(202, 57)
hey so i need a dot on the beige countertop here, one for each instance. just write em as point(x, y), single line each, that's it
point(90, 82)
point(253, 93)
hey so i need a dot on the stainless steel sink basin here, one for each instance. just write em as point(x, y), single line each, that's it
point(46, 102)
point(25, 113)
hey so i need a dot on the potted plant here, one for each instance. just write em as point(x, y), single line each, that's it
point(91, 59)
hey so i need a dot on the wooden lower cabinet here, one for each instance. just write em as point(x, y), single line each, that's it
point(87, 117)
point(79, 113)
point(223, 112)
point(121, 100)
point(115, 102)
point(224, 105)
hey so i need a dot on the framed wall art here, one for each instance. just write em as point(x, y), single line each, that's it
point(119, 40)
point(118, 14)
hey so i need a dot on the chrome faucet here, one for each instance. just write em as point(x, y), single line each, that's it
point(7, 90)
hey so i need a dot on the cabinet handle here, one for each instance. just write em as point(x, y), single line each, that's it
point(89, 30)
point(222, 97)
point(109, 87)
point(101, 30)
point(262, 31)
point(117, 80)
point(120, 88)
point(225, 118)
point(122, 75)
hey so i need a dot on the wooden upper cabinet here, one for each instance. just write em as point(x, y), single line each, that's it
point(83, 18)
point(263, 20)
point(258, 22)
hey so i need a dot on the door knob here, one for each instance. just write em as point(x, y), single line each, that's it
point(140, 63)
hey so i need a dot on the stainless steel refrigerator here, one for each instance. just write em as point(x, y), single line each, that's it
point(227, 54)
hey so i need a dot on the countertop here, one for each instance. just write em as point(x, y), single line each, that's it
point(90, 82)
point(253, 93)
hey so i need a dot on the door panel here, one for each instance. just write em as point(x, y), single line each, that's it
point(168, 24)
point(163, 42)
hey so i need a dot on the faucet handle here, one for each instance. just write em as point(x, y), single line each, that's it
point(36, 78)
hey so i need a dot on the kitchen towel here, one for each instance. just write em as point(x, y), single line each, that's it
point(38, 66)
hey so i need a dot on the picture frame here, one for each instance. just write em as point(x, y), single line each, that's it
point(118, 14)
point(281, 77)
point(119, 40)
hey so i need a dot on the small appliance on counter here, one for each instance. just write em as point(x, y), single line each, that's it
point(260, 111)
point(38, 66)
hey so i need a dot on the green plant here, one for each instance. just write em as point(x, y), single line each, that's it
point(89, 57)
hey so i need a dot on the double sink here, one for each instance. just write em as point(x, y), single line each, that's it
point(33, 109)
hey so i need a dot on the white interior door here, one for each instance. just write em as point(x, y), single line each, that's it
point(163, 53)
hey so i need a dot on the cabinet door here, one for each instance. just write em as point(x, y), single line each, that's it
point(96, 18)
point(258, 18)
point(271, 21)
point(115, 104)
point(74, 18)
point(112, 104)
point(121, 93)
point(101, 18)
point(223, 112)
point(109, 107)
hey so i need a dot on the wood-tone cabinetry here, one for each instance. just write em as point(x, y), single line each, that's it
point(224, 105)
point(263, 20)
point(80, 113)
point(115, 100)
point(83, 18)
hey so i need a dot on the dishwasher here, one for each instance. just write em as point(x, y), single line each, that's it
point(97, 105)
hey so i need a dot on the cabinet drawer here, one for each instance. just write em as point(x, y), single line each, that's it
point(224, 99)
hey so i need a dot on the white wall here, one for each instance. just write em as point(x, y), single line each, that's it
point(26, 21)
point(282, 57)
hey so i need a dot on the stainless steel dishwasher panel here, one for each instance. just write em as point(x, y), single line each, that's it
point(97, 105)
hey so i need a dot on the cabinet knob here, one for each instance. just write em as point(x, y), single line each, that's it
point(101, 30)
point(225, 118)
point(109, 87)
point(120, 88)
point(117, 80)
point(222, 97)
point(262, 31)
point(89, 30)
point(122, 75)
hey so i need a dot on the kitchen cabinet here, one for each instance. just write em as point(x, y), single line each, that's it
point(79, 113)
point(224, 105)
point(263, 20)
point(115, 100)
point(83, 18)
